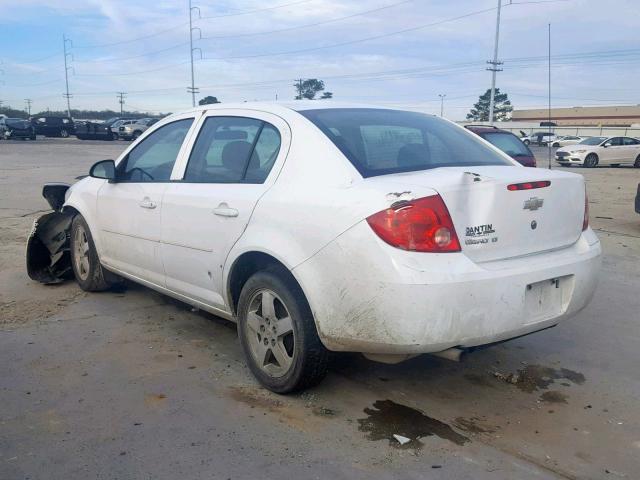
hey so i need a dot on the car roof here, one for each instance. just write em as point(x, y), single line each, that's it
point(295, 105)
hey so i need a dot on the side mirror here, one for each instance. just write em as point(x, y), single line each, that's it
point(605, 145)
point(105, 169)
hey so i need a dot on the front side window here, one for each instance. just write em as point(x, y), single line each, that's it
point(380, 142)
point(593, 141)
point(233, 150)
point(614, 142)
point(152, 159)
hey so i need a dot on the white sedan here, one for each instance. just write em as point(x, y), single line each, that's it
point(321, 228)
point(565, 140)
point(601, 151)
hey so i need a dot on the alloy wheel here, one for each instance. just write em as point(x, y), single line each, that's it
point(81, 253)
point(270, 333)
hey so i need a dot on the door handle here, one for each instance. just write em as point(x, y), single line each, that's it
point(147, 203)
point(223, 210)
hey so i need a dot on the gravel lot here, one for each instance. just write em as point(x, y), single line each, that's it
point(132, 384)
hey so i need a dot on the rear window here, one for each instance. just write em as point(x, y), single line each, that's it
point(508, 143)
point(380, 142)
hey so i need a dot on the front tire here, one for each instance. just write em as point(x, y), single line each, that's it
point(278, 333)
point(64, 133)
point(556, 145)
point(84, 259)
point(527, 142)
point(591, 160)
point(636, 164)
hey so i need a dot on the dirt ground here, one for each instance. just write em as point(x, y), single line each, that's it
point(132, 385)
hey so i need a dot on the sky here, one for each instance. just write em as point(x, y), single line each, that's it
point(385, 52)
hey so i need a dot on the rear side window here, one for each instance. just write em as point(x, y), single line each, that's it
point(233, 150)
point(380, 142)
point(508, 143)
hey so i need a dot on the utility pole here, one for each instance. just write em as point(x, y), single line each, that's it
point(28, 103)
point(299, 88)
point(549, 89)
point(67, 95)
point(121, 96)
point(494, 65)
point(192, 89)
point(442, 95)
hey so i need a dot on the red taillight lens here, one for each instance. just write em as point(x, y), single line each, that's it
point(421, 225)
point(528, 185)
point(585, 220)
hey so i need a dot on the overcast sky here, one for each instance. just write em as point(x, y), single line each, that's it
point(388, 52)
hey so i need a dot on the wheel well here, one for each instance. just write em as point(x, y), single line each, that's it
point(244, 267)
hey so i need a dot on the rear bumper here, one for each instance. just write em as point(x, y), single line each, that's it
point(369, 297)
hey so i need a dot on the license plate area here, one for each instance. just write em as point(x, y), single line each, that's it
point(548, 298)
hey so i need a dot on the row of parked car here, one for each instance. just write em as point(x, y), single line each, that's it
point(50, 126)
point(573, 149)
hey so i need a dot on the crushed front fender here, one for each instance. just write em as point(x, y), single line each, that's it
point(48, 256)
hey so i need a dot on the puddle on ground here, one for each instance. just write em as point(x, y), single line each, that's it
point(538, 377)
point(553, 396)
point(387, 418)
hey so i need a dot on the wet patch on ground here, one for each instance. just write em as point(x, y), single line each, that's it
point(388, 418)
point(553, 396)
point(474, 425)
point(538, 377)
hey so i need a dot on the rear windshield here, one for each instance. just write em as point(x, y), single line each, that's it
point(508, 143)
point(380, 142)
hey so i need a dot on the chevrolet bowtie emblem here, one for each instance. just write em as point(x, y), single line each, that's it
point(534, 203)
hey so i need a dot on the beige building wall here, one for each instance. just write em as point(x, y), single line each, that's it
point(588, 116)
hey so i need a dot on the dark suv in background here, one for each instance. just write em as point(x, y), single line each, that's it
point(54, 126)
point(505, 141)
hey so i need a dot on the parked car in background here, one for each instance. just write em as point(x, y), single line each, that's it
point(54, 126)
point(638, 200)
point(97, 130)
point(601, 151)
point(565, 140)
point(131, 131)
point(539, 138)
point(319, 229)
point(505, 141)
point(16, 128)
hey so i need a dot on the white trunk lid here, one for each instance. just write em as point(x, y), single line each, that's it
point(495, 223)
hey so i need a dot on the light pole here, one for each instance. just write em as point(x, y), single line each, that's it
point(193, 89)
point(442, 95)
point(27, 102)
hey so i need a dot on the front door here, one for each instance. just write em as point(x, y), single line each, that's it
point(129, 210)
point(232, 163)
point(612, 153)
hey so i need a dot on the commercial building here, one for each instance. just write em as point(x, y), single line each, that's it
point(621, 116)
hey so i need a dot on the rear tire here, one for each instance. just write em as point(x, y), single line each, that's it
point(636, 164)
point(89, 273)
point(64, 133)
point(527, 142)
point(136, 134)
point(114, 136)
point(278, 334)
point(556, 145)
point(591, 160)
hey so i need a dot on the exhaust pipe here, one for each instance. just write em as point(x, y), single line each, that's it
point(454, 354)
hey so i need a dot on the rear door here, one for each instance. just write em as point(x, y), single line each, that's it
point(631, 148)
point(129, 211)
point(233, 160)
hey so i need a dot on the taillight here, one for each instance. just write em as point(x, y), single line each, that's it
point(585, 220)
point(421, 225)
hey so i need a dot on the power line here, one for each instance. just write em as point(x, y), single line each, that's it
point(247, 12)
point(308, 25)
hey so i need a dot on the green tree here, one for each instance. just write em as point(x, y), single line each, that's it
point(309, 88)
point(208, 100)
point(326, 95)
point(501, 110)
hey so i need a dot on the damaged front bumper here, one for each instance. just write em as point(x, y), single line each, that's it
point(48, 256)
